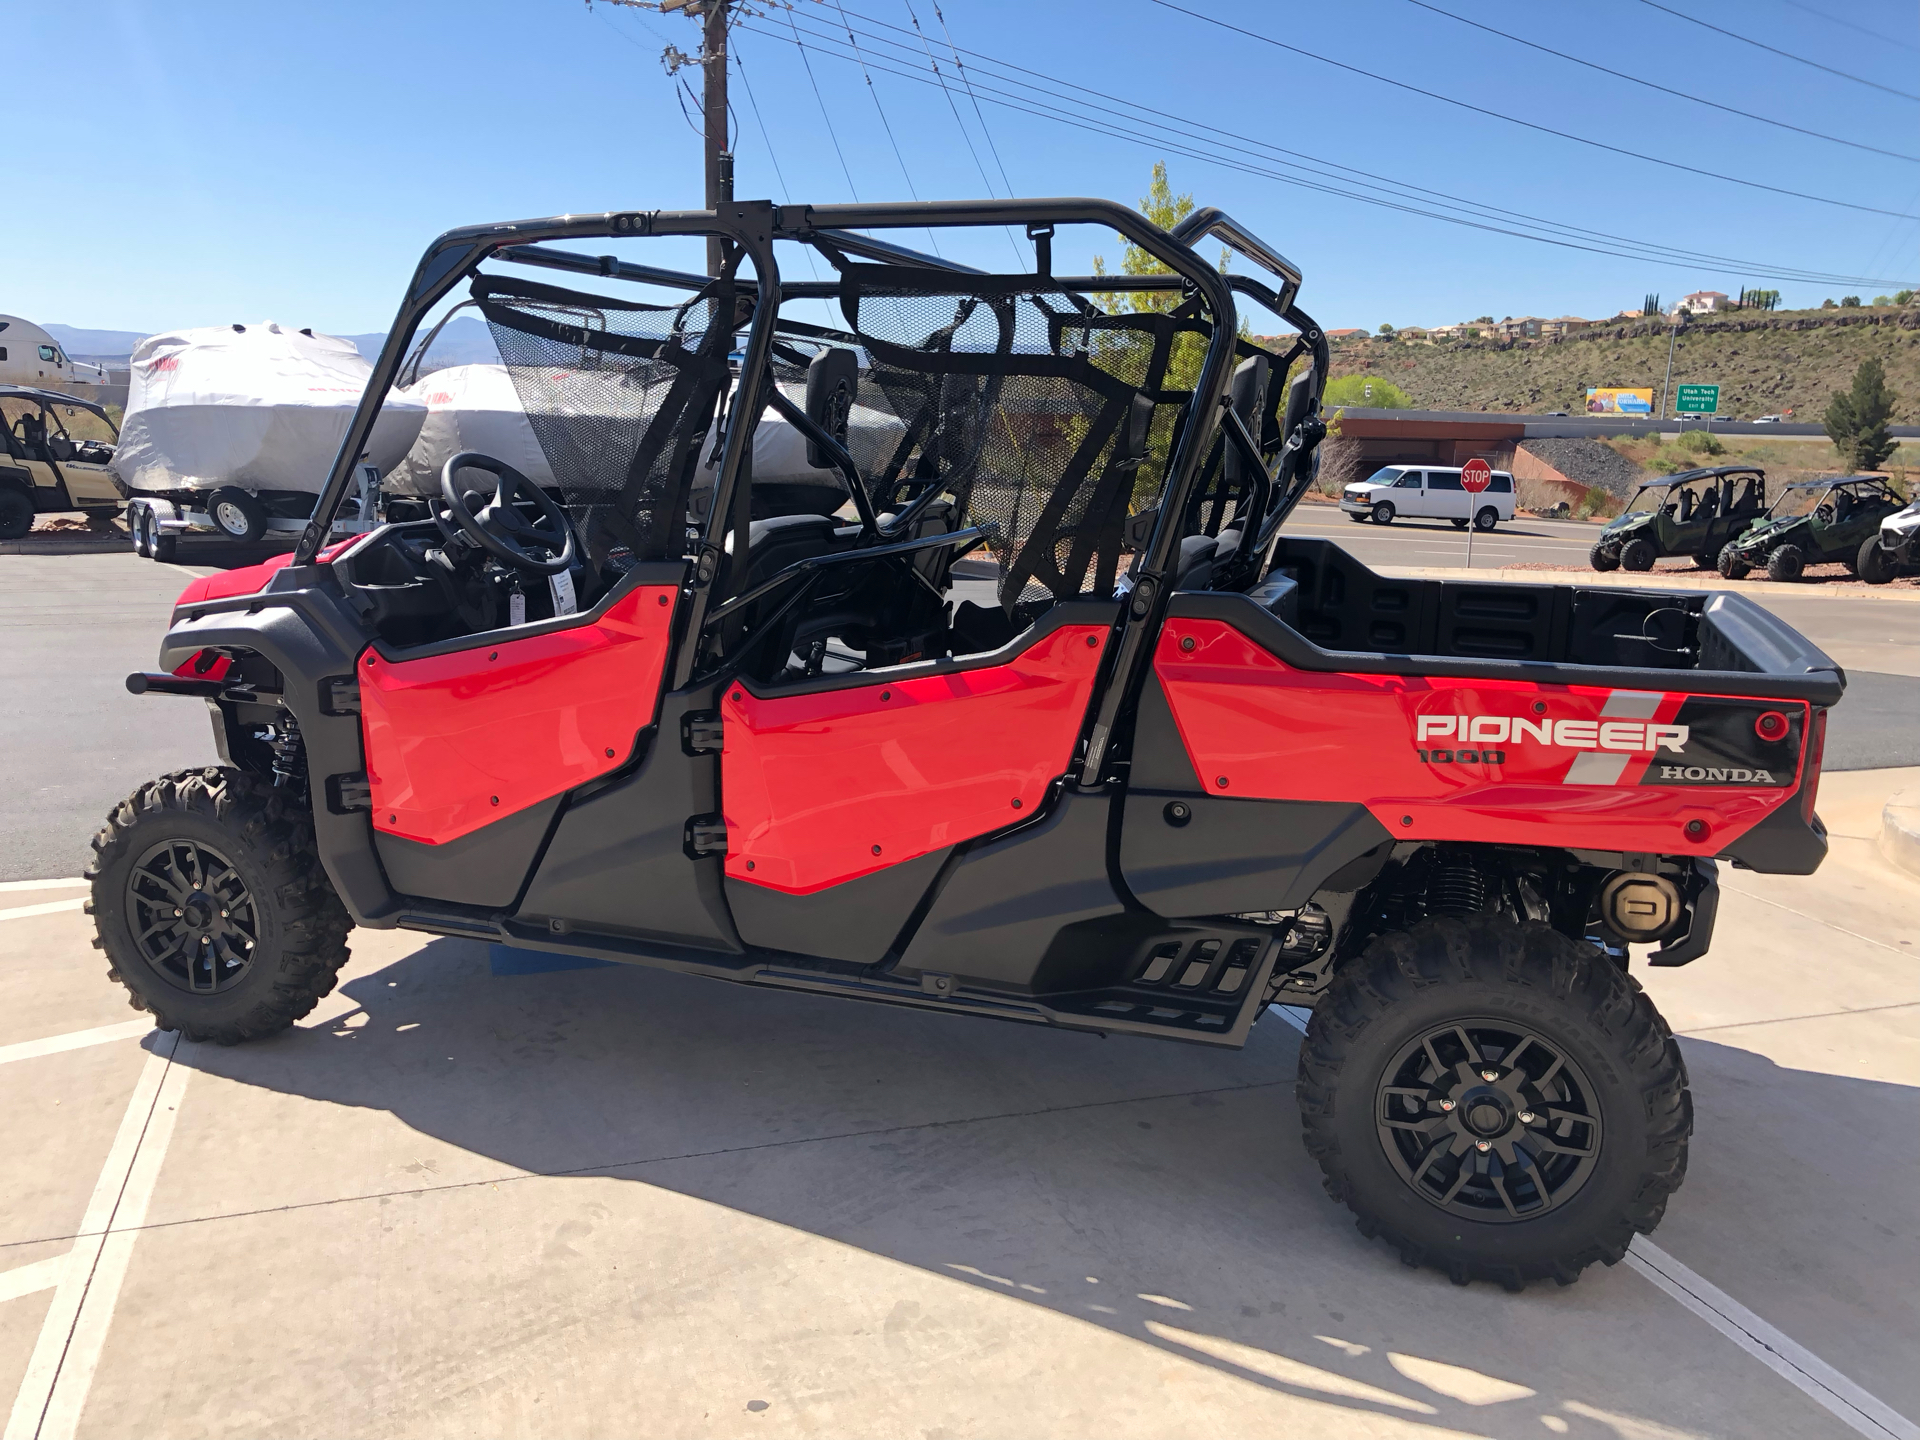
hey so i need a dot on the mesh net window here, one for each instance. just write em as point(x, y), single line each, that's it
point(1037, 410)
point(619, 395)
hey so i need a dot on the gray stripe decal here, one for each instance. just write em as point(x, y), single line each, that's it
point(1632, 705)
point(1597, 767)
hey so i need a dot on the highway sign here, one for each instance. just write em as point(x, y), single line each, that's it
point(1696, 400)
point(1476, 475)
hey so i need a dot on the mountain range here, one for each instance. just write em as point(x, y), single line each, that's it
point(465, 341)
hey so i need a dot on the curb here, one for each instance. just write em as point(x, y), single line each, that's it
point(69, 545)
point(1900, 831)
point(1652, 580)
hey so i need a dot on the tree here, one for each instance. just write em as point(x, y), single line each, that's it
point(1650, 306)
point(1903, 297)
point(1165, 209)
point(1760, 299)
point(1386, 329)
point(1849, 300)
point(1856, 419)
point(1367, 391)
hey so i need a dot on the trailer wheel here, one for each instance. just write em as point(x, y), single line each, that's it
point(1495, 1100)
point(237, 515)
point(1787, 563)
point(212, 908)
point(16, 513)
point(136, 531)
point(161, 546)
point(1603, 556)
point(1638, 555)
point(1731, 566)
point(1872, 564)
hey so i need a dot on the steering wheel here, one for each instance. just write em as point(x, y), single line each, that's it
point(496, 525)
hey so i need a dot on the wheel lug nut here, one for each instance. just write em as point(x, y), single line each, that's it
point(176, 912)
point(1483, 1146)
point(1526, 1117)
point(1446, 1104)
point(1489, 1075)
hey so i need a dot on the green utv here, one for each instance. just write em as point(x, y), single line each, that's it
point(1693, 513)
point(1816, 522)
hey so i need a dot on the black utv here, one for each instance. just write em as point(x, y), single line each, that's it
point(1817, 522)
point(1693, 513)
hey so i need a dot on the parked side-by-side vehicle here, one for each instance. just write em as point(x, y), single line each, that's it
point(1183, 767)
point(1695, 512)
point(1817, 522)
point(43, 467)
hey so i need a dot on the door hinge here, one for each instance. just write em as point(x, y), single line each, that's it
point(702, 734)
point(347, 794)
point(706, 835)
point(340, 695)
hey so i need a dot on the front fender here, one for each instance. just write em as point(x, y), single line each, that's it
point(310, 637)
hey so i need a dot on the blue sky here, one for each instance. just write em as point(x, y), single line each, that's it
point(226, 161)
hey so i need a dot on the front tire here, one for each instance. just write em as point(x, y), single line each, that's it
point(1731, 565)
point(1638, 555)
point(1383, 513)
point(1872, 564)
point(212, 908)
point(1603, 557)
point(1786, 564)
point(1559, 1160)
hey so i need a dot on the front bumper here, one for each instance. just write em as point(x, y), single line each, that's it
point(1357, 507)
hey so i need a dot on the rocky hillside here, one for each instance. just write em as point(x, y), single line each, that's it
point(1764, 364)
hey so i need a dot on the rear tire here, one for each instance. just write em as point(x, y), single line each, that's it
point(256, 935)
point(1705, 562)
point(137, 529)
point(1731, 566)
point(1638, 555)
point(1872, 564)
point(1383, 513)
point(1603, 557)
point(1459, 524)
point(160, 546)
point(1786, 564)
point(1379, 1058)
point(16, 514)
point(1486, 519)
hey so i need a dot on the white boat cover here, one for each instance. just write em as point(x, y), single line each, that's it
point(257, 406)
point(468, 407)
point(478, 407)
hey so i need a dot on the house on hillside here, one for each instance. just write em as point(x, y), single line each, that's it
point(1522, 327)
point(1349, 334)
point(1701, 302)
point(1565, 325)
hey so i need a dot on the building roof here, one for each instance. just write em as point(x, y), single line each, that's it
point(1706, 295)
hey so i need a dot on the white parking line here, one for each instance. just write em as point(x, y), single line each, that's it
point(1861, 1412)
point(1793, 1363)
point(7, 887)
point(21, 912)
point(31, 1279)
point(74, 1040)
point(50, 1396)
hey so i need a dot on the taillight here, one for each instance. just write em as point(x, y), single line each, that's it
point(1816, 752)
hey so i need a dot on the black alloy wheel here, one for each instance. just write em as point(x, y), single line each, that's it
point(1732, 564)
point(1873, 564)
point(1488, 1121)
point(1786, 564)
point(1638, 554)
point(1383, 513)
point(1603, 557)
point(192, 916)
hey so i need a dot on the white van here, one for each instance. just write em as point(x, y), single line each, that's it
point(1428, 492)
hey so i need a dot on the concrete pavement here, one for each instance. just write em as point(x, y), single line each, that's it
point(612, 1201)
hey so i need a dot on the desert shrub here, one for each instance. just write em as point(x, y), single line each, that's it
point(1700, 442)
point(1353, 390)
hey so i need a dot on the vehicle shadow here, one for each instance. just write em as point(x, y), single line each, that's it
point(1158, 1190)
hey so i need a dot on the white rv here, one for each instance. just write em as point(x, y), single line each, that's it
point(30, 356)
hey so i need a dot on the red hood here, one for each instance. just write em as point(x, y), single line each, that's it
point(249, 579)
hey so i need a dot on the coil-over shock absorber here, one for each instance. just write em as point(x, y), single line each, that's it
point(1455, 886)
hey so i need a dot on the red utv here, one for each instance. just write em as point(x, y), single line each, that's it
point(1145, 765)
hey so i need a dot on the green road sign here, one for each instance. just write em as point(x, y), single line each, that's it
point(1697, 400)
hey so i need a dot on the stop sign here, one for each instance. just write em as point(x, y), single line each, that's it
point(1476, 475)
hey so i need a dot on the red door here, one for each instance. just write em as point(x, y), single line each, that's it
point(457, 741)
point(826, 786)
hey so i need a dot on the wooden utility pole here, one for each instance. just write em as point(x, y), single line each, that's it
point(713, 65)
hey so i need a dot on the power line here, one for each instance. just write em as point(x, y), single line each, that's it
point(1836, 20)
point(823, 110)
point(1477, 215)
point(786, 195)
point(885, 124)
point(1019, 259)
point(1664, 89)
point(1783, 54)
point(961, 66)
point(1529, 124)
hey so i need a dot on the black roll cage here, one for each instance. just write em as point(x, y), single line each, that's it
point(751, 227)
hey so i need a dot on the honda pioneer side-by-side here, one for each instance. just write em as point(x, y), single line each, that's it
point(1168, 767)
